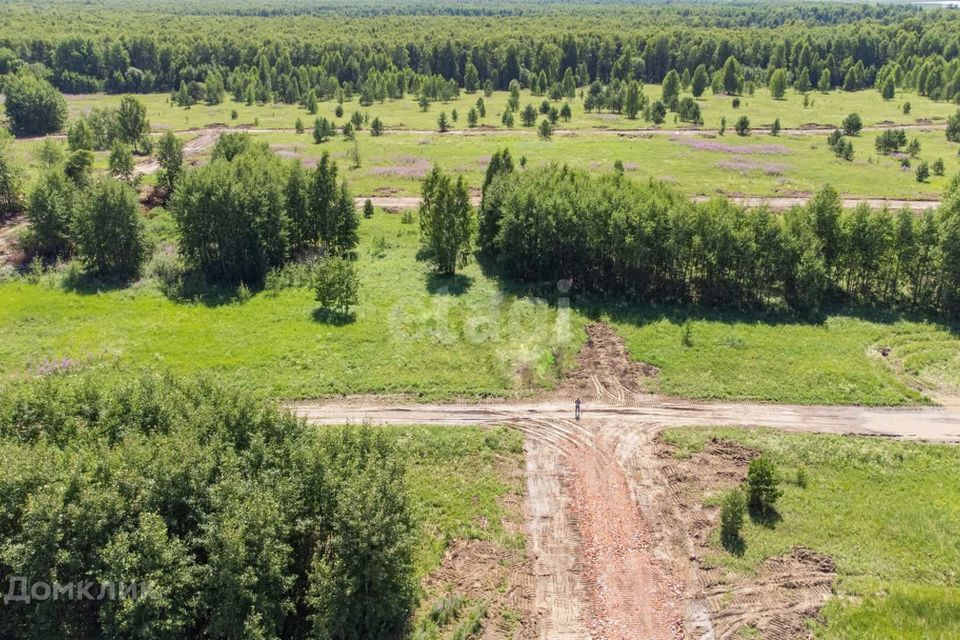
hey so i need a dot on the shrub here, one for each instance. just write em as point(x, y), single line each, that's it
point(742, 127)
point(367, 208)
point(109, 232)
point(852, 124)
point(337, 285)
point(34, 107)
point(242, 520)
point(953, 127)
point(732, 514)
point(762, 489)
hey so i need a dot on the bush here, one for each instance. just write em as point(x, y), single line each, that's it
point(11, 180)
point(852, 124)
point(762, 489)
point(732, 514)
point(742, 126)
point(109, 232)
point(51, 211)
point(244, 522)
point(337, 285)
point(34, 107)
point(953, 127)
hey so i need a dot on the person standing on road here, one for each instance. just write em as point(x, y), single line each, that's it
point(577, 411)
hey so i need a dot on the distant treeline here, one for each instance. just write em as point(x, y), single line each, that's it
point(613, 236)
point(391, 50)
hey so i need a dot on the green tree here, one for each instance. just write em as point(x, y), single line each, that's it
point(528, 116)
point(338, 285)
point(471, 79)
point(700, 81)
point(823, 84)
point(671, 87)
point(775, 127)
point(923, 171)
point(120, 162)
point(953, 127)
point(443, 125)
point(298, 217)
point(79, 136)
point(367, 208)
point(11, 180)
point(446, 222)
point(79, 167)
point(472, 117)
point(108, 230)
point(170, 159)
point(51, 211)
point(632, 103)
point(762, 488)
point(778, 84)
point(545, 130)
point(852, 124)
point(742, 126)
point(732, 514)
point(322, 130)
point(888, 90)
point(731, 76)
point(376, 127)
point(803, 81)
point(34, 107)
point(132, 125)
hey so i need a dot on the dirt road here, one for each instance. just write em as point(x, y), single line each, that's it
point(613, 542)
point(777, 203)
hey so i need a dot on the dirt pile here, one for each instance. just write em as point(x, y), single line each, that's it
point(786, 590)
point(605, 370)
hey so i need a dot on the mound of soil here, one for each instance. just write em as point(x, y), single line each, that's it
point(605, 370)
point(786, 591)
point(484, 571)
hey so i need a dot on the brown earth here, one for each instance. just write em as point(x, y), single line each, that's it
point(10, 231)
point(616, 527)
point(785, 592)
point(483, 571)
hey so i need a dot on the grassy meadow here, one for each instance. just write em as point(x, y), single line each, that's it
point(886, 512)
point(703, 164)
point(440, 338)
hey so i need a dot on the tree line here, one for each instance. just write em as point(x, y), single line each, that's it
point(384, 55)
point(613, 236)
point(238, 520)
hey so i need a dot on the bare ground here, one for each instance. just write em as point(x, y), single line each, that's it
point(10, 231)
point(616, 524)
point(776, 203)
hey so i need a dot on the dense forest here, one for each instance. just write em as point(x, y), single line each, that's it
point(615, 236)
point(381, 51)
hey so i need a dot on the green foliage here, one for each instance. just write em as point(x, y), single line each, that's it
point(51, 210)
point(323, 130)
point(733, 512)
point(367, 208)
point(170, 159)
point(762, 488)
point(778, 84)
point(742, 126)
point(337, 285)
point(241, 520)
point(80, 136)
point(545, 130)
point(11, 180)
point(922, 171)
point(108, 230)
point(132, 125)
point(120, 162)
point(700, 81)
point(79, 167)
point(230, 216)
point(953, 127)
point(34, 107)
point(446, 222)
point(852, 124)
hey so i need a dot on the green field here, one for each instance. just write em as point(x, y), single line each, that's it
point(885, 512)
point(416, 333)
point(759, 164)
